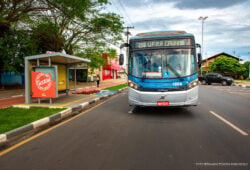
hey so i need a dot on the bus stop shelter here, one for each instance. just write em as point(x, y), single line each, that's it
point(56, 63)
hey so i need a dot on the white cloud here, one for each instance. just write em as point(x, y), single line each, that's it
point(225, 29)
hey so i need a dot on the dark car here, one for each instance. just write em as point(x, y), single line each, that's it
point(210, 78)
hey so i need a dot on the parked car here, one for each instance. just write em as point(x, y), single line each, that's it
point(210, 78)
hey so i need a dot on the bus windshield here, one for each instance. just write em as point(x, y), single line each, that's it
point(168, 63)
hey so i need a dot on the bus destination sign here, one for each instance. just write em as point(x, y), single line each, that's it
point(162, 43)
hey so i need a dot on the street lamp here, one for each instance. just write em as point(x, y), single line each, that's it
point(202, 22)
point(249, 68)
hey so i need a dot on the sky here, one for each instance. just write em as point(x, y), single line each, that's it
point(227, 28)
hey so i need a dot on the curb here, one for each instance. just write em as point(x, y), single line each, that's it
point(51, 120)
point(242, 85)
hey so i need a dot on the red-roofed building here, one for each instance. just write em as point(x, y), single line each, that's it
point(207, 61)
point(109, 71)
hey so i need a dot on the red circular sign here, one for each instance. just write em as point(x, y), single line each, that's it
point(43, 81)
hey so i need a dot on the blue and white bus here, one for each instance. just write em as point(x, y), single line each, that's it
point(163, 69)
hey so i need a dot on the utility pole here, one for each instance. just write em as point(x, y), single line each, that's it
point(127, 33)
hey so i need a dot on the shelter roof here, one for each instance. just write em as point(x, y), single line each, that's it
point(59, 58)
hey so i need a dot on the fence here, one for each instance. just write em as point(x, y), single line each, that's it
point(12, 78)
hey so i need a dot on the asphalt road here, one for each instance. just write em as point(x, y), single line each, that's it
point(108, 138)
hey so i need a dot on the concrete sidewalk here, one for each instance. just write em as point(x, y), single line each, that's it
point(242, 84)
point(16, 96)
point(103, 84)
point(11, 93)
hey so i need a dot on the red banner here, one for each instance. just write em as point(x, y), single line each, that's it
point(42, 85)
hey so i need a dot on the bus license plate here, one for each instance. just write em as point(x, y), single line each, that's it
point(162, 103)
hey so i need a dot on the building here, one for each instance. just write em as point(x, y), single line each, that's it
point(207, 61)
point(81, 72)
point(108, 71)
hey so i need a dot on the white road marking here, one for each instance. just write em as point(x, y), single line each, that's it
point(231, 90)
point(238, 93)
point(229, 124)
point(49, 129)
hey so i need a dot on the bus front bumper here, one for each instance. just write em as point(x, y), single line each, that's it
point(174, 98)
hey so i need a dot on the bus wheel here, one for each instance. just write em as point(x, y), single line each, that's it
point(132, 110)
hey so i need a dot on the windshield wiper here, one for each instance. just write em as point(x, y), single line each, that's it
point(173, 70)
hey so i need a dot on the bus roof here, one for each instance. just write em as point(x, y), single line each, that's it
point(161, 34)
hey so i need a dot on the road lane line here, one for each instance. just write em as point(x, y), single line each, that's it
point(52, 128)
point(229, 124)
point(75, 101)
point(60, 105)
point(238, 92)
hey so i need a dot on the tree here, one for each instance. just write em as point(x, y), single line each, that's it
point(89, 27)
point(14, 45)
point(29, 27)
point(54, 25)
point(85, 33)
point(95, 54)
point(14, 12)
point(47, 36)
point(226, 65)
point(246, 72)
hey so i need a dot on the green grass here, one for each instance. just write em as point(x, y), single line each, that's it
point(240, 81)
point(11, 118)
point(117, 87)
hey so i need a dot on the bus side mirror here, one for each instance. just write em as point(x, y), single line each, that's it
point(121, 56)
point(121, 59)
point(198, 46)
point(124, 45)
point(199, 60)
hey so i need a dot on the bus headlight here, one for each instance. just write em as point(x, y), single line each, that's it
point(193, 84)
point(133, 85)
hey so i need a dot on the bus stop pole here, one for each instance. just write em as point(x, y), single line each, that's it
point(67, 80)
point(38, 64)
point(50, 99)
point(27, 81)
point(75, 77)
point(49, 61)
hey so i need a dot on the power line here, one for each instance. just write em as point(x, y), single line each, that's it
point(120, 11)
point(122, 6)
point(117, 8)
